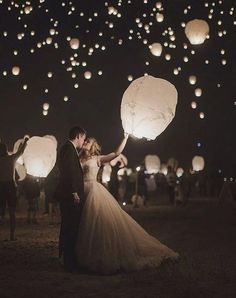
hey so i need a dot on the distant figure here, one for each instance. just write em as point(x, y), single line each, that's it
point(50, 186)
point(114, 182)
point(126, 189)
point(185, 186)
point(171, 182)
point(7, 184)
point(32, 193)
point(142, 185)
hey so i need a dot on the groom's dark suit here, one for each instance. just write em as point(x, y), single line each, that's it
point(71, 181)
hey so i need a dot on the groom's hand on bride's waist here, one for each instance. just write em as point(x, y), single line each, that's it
point(76, 198)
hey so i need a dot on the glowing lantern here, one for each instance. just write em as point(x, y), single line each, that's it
point(159, 17)
point(106, 173)
point(49, 40)
point(179, 172)
point(40, 156)
point(148, 106)
point(74, 43)
point(192, 80)
point(202, 115)
point(130, 78)
point(193, 104)
point(198, 92)
point(152, 164)
point(87, 75)
point(46, 106)
point(28, 9)
point(164, 169)
point(50, 137)
point(156, 49)
point(168, 57)
point(16, 70)
point(120, 158)
point(158, 5)
point(197, 31)
point(122, 172)
point(198, 163)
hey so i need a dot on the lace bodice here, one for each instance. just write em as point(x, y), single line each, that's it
point(90, 169)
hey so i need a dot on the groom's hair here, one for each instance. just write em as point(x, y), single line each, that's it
point(75, 131)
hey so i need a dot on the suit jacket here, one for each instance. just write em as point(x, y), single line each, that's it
point(71, 174)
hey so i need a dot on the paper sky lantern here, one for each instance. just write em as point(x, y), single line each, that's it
point(148, 106)
point(16, 70)
point(51, 138)
point(193, 104)
point(198, 92)
point(28, 9)
point(156, 49)
point(74, 43)
point(192, 80)
point(87, 75)
point(159, 17)
point(46, 106)
point(39, 156)
point(179, 172)
point(201, 115)
point(106, 173)
point(152, 164)
point(198, 163)
point(197, 31)
point(120, 158)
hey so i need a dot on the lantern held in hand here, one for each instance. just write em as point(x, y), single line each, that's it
point(40, 156)
point(148, 106)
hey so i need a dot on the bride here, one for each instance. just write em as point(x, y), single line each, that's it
point(109, 240)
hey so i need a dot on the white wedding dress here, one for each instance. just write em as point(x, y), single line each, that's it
point(109, 240)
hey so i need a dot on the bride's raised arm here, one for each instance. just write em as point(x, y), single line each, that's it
point(109, 157)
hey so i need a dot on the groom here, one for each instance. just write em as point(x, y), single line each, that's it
point(70, 192)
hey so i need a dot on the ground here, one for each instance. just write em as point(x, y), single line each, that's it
point(202, 233)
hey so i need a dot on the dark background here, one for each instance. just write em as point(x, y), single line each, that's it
point(95, 105)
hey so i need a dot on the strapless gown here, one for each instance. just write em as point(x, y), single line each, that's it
point(109, 240)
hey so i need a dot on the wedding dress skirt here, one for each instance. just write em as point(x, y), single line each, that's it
point(109, 240)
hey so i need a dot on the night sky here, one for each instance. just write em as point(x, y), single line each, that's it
point(118, 46)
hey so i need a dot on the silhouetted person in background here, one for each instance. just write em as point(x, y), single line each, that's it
point(32, 193)
point(50, 185)
point(171, 182)
point(114, 181)
point(185, 186)
point(7, 184)
point(142, 185)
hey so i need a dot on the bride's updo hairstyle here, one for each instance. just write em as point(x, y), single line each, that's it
point(95, 148)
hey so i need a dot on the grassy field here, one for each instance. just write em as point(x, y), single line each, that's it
point(202, 233)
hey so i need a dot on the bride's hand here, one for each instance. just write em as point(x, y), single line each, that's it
point(76, 198)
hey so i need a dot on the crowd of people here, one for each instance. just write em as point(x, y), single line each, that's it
point(129, 188)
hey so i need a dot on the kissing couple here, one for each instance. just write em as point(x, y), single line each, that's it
point(96, 234)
